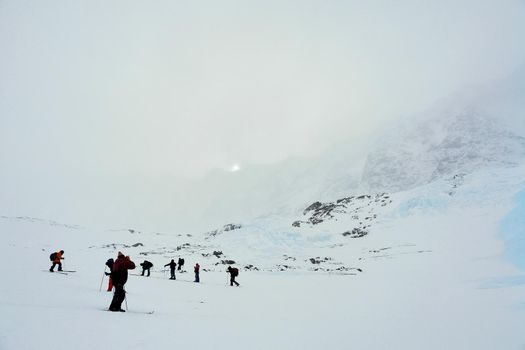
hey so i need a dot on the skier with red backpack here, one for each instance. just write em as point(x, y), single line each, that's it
point(119, 275)
point(234, 272)
point(55, 258)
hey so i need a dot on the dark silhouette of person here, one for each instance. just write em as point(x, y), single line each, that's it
point(181, 263)
point(234, 272)
point(146, 265)
point(172, 265)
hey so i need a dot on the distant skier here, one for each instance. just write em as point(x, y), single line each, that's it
point(234, 272)
point(110, 264)
point(172, 265)
point(119, 275)
point(55, 258)
point(181, 263)
point(146, 265)
point(197, 269)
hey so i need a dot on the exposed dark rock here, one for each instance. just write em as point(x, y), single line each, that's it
point(227, 262)
point(231, 227)
point(137, 245)
point(319, 212)
point(319, 260)
point(225, 228)
point(217, 253)
point(355, 233)
point(313, 206)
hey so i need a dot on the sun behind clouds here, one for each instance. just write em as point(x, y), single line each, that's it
point(235, 167)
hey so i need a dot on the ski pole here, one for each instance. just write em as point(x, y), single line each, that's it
point(102, 280)
point(126, 299)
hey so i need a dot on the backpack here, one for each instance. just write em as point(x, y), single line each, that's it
point(110, 263)
point(53, 256)
point(181, 262)
point(235, 272)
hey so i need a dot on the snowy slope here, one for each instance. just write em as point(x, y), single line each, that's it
point(426, 278)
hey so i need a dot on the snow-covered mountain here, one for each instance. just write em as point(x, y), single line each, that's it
point(441, 146)
point(408, 244)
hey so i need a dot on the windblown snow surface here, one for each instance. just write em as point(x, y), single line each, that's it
point(431, 264)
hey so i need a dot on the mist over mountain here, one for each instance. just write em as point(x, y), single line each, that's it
point(470, 130)
point(475, 128)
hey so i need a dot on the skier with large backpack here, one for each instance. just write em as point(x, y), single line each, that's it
point(180, 263)
point(172, 265)
point(119, 275)
point(146, 265)
point(55, 258)
point(234, 272)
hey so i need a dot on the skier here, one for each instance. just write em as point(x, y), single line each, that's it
point(146, 265)
point(197, 269)
point(119, 275)
point(109, 264)
point(55, 258)
point(234, 272)
point(172, 265)
point(181, 263)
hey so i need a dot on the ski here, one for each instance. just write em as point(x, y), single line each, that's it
point(133, 312)
point(69, 271)
point(60, 272)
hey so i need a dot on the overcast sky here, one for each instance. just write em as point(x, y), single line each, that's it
point(176, 88)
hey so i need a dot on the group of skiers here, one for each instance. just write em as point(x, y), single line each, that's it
point(147, 265)
point(180, 262)
point(118, 275)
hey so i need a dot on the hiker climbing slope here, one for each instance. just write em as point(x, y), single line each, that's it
point(180, 263)
point(56, 259)
point(234, 272)
point(146, 266)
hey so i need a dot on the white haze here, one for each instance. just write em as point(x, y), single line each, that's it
point(110, 113)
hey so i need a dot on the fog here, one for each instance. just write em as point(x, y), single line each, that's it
point(110, 110)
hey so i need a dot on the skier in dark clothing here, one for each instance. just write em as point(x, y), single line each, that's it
point(197, 269)
point(55, 258)
point(146, 265)
point(181, 263)
point(172, 265)
point(234, 272)
point(109, 264)
point(119, 276)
